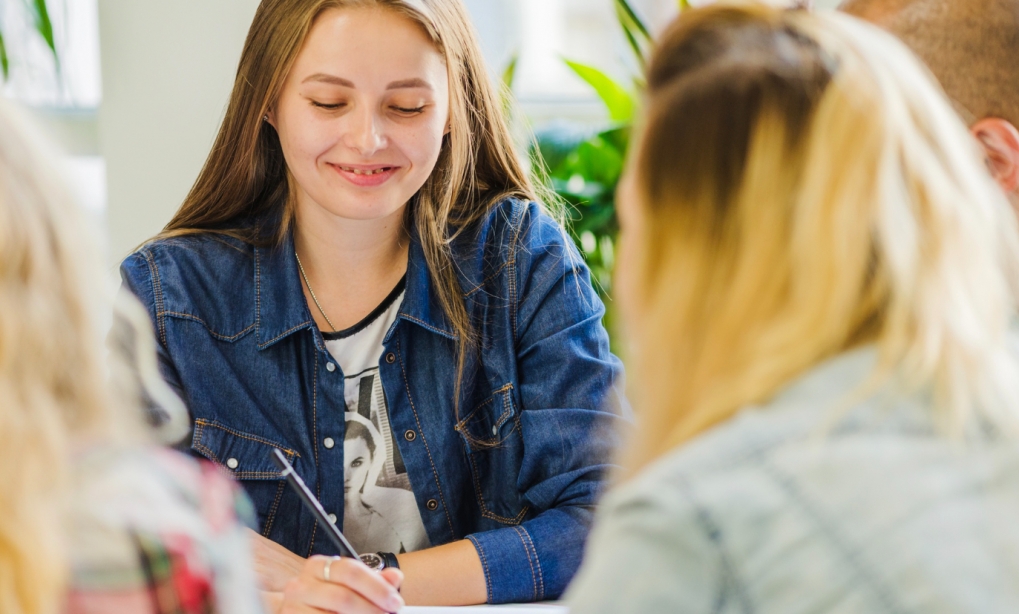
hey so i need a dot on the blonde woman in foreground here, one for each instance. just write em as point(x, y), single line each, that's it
point(93, 519)
point(818, 280)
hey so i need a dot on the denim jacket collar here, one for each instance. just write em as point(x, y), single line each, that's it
point(420, 305)
point(282, 309)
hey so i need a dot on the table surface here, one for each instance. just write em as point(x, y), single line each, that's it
point(535, 608)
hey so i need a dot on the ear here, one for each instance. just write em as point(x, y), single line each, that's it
point(270, 118)
point(1000, 141)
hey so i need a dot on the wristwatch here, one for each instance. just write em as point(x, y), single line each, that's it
point(378, 561)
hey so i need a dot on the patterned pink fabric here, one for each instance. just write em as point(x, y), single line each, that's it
point(158, 533)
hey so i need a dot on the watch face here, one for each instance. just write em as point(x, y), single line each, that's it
point(373, 561)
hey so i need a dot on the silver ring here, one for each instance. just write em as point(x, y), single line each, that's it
point(325, 570)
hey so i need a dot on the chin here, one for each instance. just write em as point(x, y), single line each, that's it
point(354, 206)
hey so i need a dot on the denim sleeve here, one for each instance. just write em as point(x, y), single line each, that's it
point(570, 415)
point(139, 276)
point(654, 550)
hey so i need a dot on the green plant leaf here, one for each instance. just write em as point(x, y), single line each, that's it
point(630, 19)
point(510, 73)
point(636, 33)
point(597, 161)
point(42, 22)
point(617, 99)
point(599, 221)
point(506, 91)
point(618, 138)
point(638, 50)
point(5, 62)
point(554, 144)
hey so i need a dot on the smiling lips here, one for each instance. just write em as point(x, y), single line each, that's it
point(365, 176)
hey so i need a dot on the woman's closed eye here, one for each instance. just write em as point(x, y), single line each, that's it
point(405, 111)
point(409, 111)
point(329, 106)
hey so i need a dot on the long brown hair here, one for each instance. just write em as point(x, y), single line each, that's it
point(245, 177)
point(806, 189)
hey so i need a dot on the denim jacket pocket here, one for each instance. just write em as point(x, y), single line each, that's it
point(248, 458)
point(495, 449)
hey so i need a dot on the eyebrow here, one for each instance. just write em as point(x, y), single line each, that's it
point(409, 84)
point(395, 85)
point(324, 78)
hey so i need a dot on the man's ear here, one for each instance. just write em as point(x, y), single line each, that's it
point(1000, 141)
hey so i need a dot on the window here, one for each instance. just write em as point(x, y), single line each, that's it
point(585, 31)
point(35, 78)
point(64, 95)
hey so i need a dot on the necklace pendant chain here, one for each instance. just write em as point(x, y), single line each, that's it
point(312, 293)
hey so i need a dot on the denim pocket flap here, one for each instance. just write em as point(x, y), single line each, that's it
point(483, 427)
point(246, 456)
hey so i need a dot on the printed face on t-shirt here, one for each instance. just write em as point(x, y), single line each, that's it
point(358, 460)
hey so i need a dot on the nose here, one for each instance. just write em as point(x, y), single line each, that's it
point(365, 134)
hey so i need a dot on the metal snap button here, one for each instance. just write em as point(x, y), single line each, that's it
point(232, 463)
point(410, 435)
point(328, 443)
point(330, 367)
point(432, 505)
point(390, 358)
point(332, 518)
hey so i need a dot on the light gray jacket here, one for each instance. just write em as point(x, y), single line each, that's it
point(771, 513)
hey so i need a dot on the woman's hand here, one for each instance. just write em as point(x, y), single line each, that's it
point(274, 564)
point(342, 586)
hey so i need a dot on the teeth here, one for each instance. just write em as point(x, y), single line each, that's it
point(364, 172)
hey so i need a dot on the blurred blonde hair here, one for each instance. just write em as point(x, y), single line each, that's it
point(56, 393)
point(806, 189)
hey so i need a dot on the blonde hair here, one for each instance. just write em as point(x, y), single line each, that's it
point(807, 189)
point(56, 392)
point(245, 176)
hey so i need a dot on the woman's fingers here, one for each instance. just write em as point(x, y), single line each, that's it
point(327, 597)
point(369, 584)
point(394, 576)
point(352, 589)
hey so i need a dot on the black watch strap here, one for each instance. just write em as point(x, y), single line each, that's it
point(389, 560)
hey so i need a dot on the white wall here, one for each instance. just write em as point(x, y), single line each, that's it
point(168, 68)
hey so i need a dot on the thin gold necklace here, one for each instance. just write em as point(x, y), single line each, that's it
point(312, 292)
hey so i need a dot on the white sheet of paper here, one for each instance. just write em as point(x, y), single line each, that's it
point(490, 609)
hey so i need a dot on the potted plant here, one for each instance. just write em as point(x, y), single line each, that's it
point(584, 168)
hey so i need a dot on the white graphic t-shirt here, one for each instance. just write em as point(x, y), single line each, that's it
point(380, 511)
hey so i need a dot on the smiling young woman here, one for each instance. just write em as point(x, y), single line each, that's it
point(361, 269)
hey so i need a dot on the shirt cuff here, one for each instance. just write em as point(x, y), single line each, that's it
point(512, 570)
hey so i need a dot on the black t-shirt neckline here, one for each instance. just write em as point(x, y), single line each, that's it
point(371, 317)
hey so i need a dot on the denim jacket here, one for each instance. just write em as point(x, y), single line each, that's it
point(516, 469)
point(825, 499)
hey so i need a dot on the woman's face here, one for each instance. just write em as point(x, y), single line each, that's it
point(358, 460)
point(362, 114)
